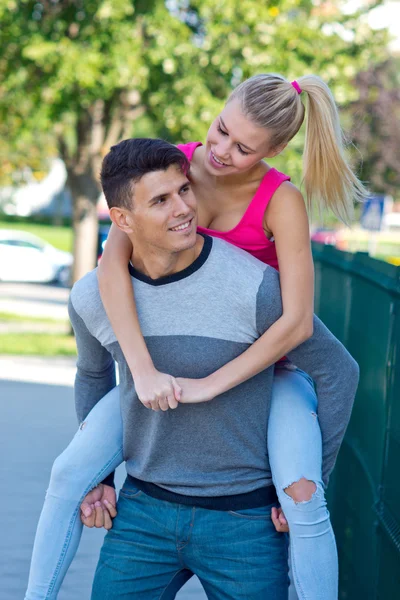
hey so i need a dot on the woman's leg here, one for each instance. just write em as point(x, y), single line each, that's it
point(95, 451)
point(295, 454)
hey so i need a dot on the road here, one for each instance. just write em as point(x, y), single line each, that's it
point(37, 420)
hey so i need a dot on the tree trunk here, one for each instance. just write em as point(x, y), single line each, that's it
point(57, 216)
point(96, 129)
point(85, 193)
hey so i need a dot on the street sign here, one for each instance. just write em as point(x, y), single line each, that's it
point(372, 213)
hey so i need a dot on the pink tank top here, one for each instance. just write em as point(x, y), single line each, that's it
point(249, 232)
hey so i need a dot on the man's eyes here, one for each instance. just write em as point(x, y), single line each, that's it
point(163, 200)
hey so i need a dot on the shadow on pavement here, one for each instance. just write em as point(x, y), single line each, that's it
point(37, 422)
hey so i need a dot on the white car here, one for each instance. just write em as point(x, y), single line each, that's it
point(26, 257)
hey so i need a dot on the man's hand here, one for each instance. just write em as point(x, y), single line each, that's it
point(157, 391)
point(279, 520)
point(98, 507)
point(195, 390)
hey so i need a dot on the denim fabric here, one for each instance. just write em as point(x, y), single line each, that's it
point(294, 446)
point(295, 451)
point(94, 452)
point(236, 555)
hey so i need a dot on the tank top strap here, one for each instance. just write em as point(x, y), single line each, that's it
point(267, 188)
point(188, 149)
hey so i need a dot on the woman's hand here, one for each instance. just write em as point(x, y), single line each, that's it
point(195, 390)
point(157, 390)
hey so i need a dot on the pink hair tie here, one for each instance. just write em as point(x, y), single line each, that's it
point(296, 87)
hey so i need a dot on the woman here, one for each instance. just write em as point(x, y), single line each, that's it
point(241, 199)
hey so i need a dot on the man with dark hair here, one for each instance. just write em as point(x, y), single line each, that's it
point(129, 160)
point(199, 491)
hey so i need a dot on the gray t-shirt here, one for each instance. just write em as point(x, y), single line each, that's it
point(194, 322)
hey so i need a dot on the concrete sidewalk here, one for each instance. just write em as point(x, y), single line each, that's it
point(58, 370)
point(34, 300)
point(37, 420)
point(21, 327)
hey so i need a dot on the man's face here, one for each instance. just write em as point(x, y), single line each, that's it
point(164, 213)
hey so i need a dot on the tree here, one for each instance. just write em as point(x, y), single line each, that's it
point(376, 126)
point(78, 74)
point(240, 38)
point(85, 74)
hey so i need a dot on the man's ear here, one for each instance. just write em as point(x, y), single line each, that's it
point(122, 218)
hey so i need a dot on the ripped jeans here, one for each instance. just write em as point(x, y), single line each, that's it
point(295, 451)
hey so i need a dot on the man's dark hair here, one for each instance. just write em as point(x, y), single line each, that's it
point(128, 161)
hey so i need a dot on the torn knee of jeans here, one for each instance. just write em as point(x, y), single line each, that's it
point(301, 491)
point(82, 425)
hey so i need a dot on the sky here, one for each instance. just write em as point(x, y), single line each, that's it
point(387, 15)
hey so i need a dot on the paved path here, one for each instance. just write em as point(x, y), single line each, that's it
point(35, 300)
point(37, 421)
point(21, 327)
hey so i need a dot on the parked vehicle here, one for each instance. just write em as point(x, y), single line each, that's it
point(324, 236)
point(27, 258)
point(101, 240)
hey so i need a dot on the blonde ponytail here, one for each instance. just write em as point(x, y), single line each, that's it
point(328, 177)
point(272, 102)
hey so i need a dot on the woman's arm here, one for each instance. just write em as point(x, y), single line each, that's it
point(154, 389)
point(286, 218)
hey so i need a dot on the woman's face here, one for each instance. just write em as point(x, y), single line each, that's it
point(234, 144)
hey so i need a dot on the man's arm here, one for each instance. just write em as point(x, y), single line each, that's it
point(333, 370)
point(335, 374)
point(95, 375)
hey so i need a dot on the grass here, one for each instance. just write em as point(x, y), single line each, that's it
point(59, 237)
point(39, 344)
point(11, 317)
point(35, 344)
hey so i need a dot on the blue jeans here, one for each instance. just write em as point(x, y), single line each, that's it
point(295, 451)
point(236, 555)
point(94, 452)
point(294, 448)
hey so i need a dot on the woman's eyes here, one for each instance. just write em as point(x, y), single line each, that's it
point(221, 130)
point(238, 147)
point(242, 151)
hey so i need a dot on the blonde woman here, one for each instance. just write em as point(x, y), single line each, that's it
point(246, 202)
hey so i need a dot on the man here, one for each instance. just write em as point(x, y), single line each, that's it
point(199, 492)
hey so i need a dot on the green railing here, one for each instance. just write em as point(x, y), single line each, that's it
point(358, 298)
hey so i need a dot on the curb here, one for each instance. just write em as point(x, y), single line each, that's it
point(38, 369)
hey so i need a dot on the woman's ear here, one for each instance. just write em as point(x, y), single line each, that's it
point(277, 150)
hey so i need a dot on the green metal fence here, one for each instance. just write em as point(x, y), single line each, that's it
point(358, 298)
